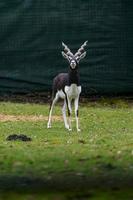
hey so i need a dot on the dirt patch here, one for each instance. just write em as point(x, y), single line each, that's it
point(32, 118)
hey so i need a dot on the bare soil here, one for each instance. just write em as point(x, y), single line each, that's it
point(32, 118)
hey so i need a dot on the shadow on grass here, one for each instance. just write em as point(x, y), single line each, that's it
point(64, 182)
point(67, 186)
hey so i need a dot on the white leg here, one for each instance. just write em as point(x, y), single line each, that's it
point(51, 109)
point(76, 102)
point(68, 100)
point(64, 115)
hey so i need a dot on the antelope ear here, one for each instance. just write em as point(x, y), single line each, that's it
point(65, 55)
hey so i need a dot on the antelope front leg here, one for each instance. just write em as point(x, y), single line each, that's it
point(68, 101)
point(64, 115)
point(76, 102)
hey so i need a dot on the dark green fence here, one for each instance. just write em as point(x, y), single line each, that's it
point(31, 32)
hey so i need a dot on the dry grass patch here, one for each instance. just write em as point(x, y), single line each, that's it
point(31, 118)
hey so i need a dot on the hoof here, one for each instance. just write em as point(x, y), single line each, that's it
point(67, 126)
point(78, 130)
point(48, 126)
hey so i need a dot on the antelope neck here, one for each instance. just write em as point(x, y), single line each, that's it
point(73, 77)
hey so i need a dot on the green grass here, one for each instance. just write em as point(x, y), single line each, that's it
point(101, 156)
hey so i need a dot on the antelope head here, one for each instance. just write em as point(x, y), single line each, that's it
point(74, 59)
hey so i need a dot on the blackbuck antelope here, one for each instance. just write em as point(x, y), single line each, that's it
point(67, 86)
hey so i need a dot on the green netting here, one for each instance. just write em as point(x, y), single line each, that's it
point(31, 32)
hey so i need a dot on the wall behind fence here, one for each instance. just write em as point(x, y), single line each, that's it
point(31, 33)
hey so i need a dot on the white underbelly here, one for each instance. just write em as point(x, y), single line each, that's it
point(73, 90)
